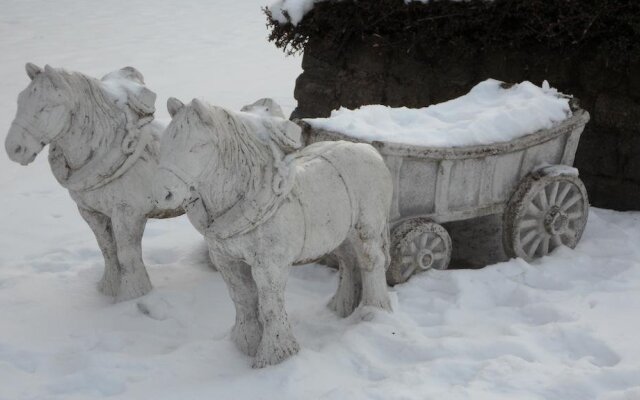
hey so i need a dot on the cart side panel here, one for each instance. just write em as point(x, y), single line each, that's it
point(417, 186)
point(486, 193)
point(394, 163)
point(507, 174)
point(466, 181)
point(545, 153)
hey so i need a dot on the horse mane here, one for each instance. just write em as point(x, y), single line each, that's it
point(240, 150)
point(96, 111)
point(101, 120)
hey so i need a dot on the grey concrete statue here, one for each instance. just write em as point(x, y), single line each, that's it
point(103, 147)
point(264, 205)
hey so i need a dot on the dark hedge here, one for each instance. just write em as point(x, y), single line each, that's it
point(611, 27)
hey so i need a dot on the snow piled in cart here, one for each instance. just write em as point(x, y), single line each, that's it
point(490, 113)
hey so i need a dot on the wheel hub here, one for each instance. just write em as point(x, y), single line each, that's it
point(555, 221)
point(424, 259)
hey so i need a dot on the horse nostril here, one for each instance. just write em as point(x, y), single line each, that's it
point(18, 149)
point(168, 197)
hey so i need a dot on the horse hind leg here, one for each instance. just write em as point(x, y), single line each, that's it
point(347, 297)
point(372, 249)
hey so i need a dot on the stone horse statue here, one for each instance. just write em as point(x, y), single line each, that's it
point(264, 205)
point(104, 148)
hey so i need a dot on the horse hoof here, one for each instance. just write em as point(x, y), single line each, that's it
point(246, 335)
point(132, 287)
point(342, 307)
point(382, 304)
point(276, 355)
point(107, 287)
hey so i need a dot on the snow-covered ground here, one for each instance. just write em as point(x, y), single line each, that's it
point(565, 327)
point(489, 113)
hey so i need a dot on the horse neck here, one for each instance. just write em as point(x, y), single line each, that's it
point(94, 122)
point(238, 171)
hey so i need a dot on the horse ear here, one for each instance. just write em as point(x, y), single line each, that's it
point(32, 70)
point(202, 109)
point(173, 106)
point(55, 76)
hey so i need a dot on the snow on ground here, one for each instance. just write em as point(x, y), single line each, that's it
point(487, 114)
point(564, 327)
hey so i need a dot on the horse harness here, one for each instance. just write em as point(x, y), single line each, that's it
point(249, 213)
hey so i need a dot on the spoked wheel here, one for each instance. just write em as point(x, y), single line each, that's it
point(546, 211)
point(417, 245)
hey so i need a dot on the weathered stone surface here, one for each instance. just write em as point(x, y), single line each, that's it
point(103, 148)
point(264, 207)
point(435, 186)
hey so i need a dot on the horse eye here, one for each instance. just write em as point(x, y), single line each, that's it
point(197, 147)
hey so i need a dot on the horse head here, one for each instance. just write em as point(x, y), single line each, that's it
point(185, 153)
point(44, 113)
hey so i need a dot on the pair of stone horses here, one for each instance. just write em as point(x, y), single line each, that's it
point(262, 201)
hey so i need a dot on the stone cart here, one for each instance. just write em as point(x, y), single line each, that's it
point(529, 180)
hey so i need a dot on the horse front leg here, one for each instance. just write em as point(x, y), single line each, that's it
point(100, 224)
point(128, 227)
point(247, 331)
point(278, 342)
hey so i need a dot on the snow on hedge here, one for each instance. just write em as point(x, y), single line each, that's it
point(297, 9)
point(489, 113)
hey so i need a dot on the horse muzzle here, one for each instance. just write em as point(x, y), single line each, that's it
point(21, 146)
point(169, 191)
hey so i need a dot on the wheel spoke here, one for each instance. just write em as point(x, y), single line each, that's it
point(434, 243)
point(440, 266)
point(575, 215)
point(545, 245)
point(528, 223)
point(570, 232)
point(533, 209)
point(563, 194)
point(528, 237)
point(568, 238)
point(407, 272)
point(534, 247)
point(412, 247)
point(438, 256)
point(554, 193)
point(424, 240)
point(556, 240)
point(407, 259)
point(571, 201)
point(542, 196)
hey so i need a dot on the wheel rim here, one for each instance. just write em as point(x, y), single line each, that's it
point(422, 252)
point(554, 215)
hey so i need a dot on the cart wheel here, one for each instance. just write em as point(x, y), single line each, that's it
point(547, 210)
point(417, 245)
